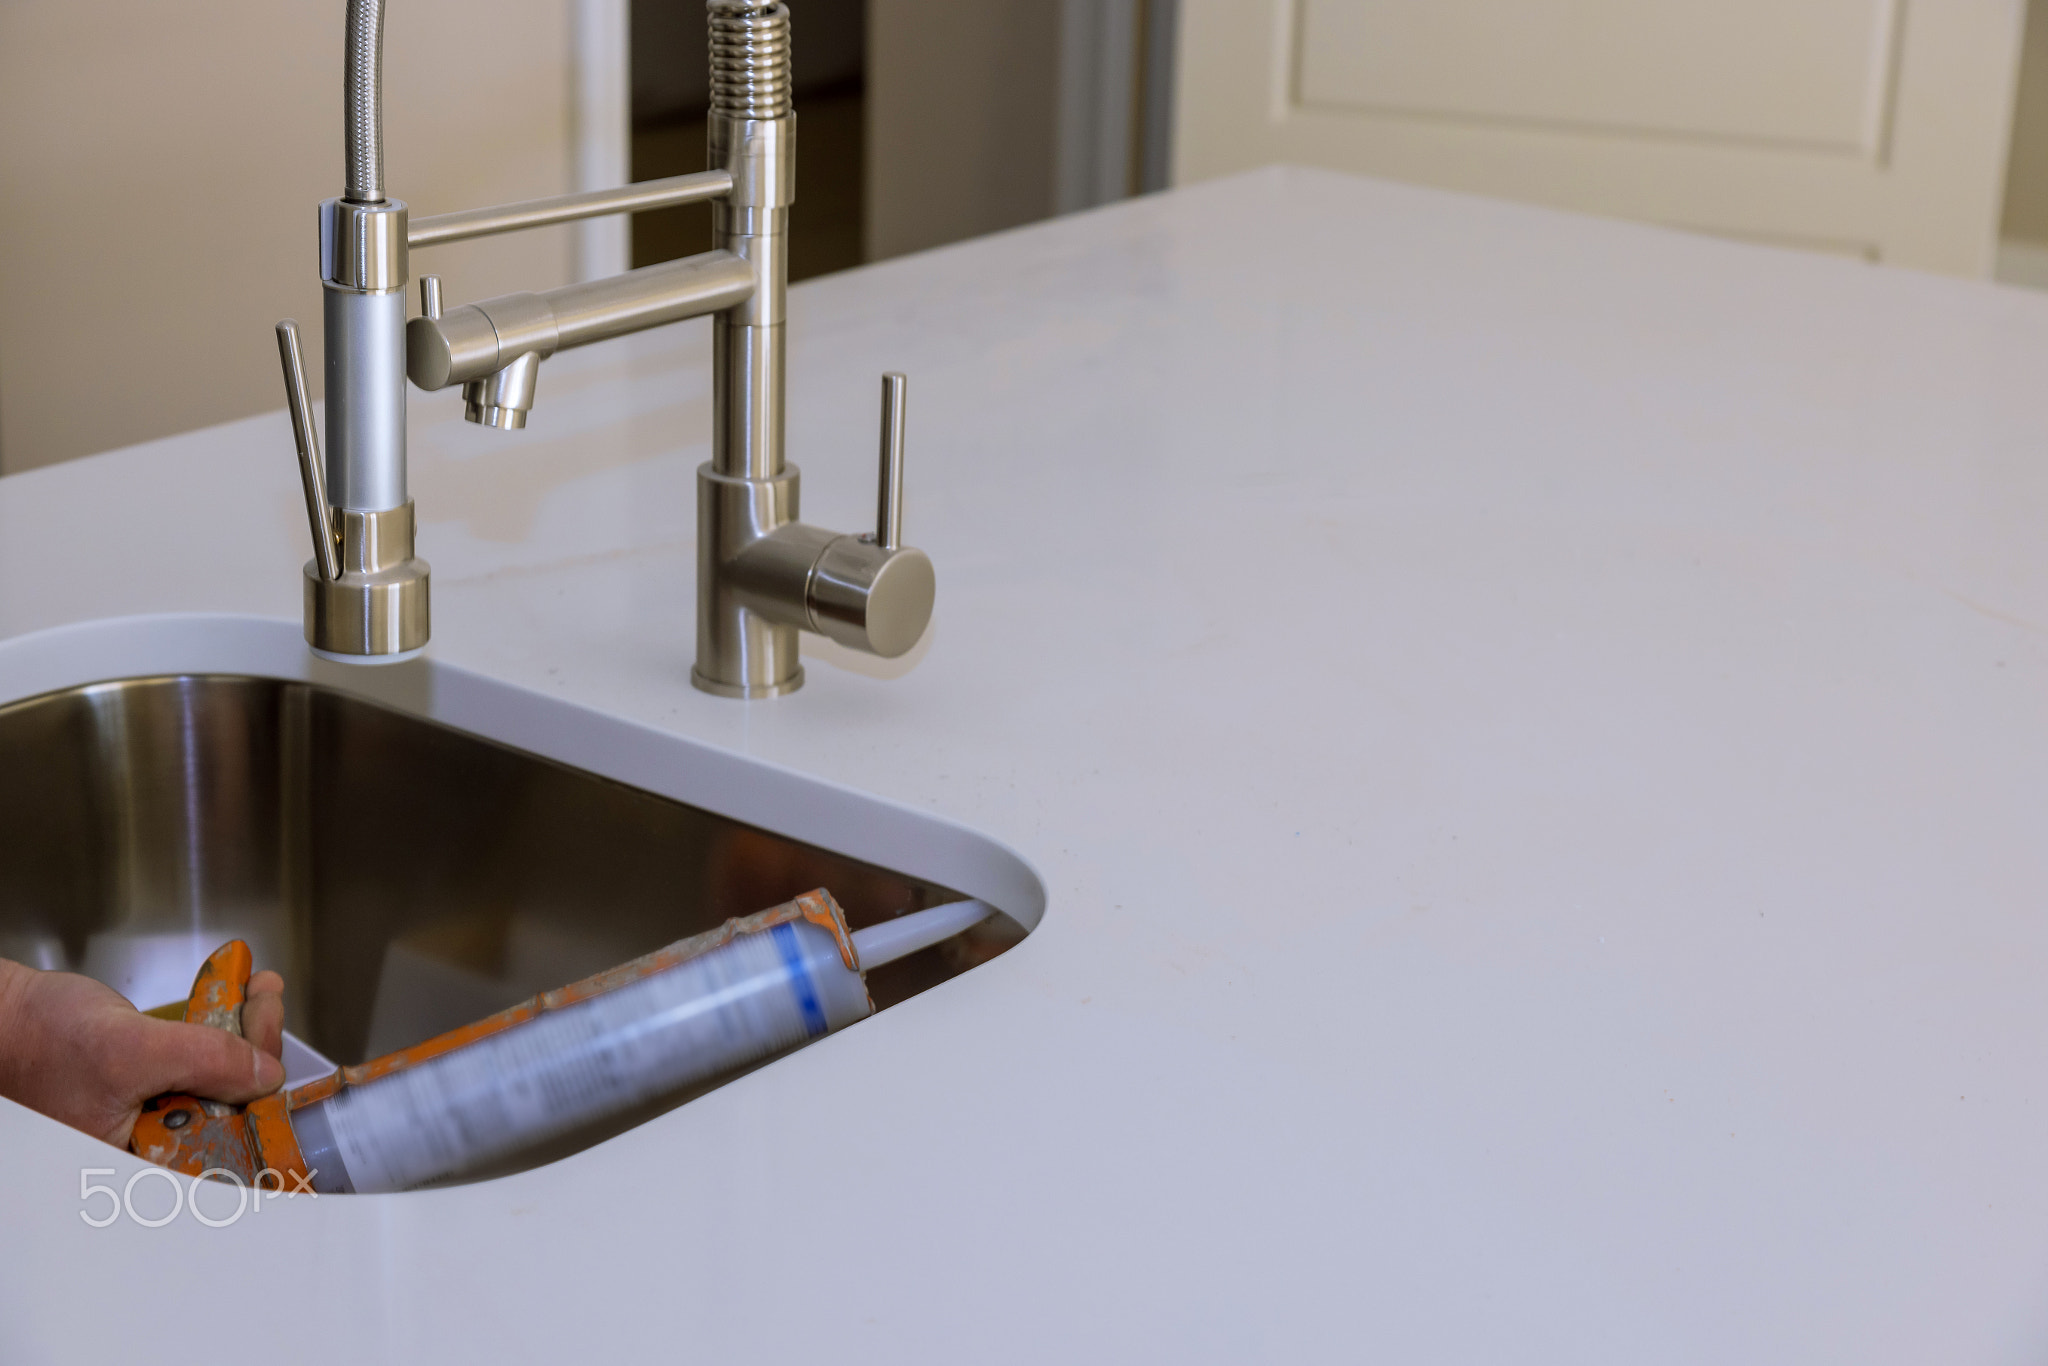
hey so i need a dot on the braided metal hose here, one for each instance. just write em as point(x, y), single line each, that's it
point(363, 102)
point(749, 59)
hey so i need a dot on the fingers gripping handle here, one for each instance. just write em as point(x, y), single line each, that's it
point(251, 1144)
point(185, 1133)
point(217, 997)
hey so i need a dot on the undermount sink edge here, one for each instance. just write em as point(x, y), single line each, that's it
point(800, 807)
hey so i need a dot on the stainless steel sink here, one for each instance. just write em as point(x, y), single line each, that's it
point(404, 876)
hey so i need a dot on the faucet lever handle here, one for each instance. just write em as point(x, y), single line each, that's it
point(889, 502)
point(321, 522)
point(430, 297)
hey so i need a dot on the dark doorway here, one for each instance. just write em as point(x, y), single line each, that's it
point(671, 87)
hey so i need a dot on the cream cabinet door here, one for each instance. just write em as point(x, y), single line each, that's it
point(1872, 127)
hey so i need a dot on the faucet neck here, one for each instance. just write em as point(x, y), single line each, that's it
point(751, 134)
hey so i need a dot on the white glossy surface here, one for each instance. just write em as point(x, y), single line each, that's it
point(1534, 734)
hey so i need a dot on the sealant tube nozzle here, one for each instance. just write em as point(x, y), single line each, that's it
point(906, 934)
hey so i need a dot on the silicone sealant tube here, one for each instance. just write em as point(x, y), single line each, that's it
point(756, 995)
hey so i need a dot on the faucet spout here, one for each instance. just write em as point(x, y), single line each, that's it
point(501, 342)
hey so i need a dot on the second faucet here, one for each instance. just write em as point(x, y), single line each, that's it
point(763, 576)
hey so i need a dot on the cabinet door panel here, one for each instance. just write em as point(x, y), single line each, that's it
point(1808, 73)
point(1875, 127)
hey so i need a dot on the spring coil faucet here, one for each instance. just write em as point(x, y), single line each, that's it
point(763, 576)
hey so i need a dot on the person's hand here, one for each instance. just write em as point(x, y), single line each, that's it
point(79, 1052)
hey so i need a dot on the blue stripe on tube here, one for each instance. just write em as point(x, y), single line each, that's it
point(800, 979)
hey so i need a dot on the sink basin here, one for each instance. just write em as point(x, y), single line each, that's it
point(407, 877)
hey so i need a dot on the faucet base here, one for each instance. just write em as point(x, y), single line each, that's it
point(779, 688)
point(366, 661)
point(377, 610)
point(750, 582)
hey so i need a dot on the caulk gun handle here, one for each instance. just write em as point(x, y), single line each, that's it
point(218, 994)
point(186, 1133)
point(221, 988)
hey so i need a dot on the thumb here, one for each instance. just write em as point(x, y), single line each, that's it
point(205, 1062)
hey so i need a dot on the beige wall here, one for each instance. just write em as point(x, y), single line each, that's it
point(159, 168)
point(962, 121)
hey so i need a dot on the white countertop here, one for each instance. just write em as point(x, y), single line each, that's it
point(1534, 731)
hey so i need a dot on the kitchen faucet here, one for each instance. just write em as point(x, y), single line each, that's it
point(762, 575)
